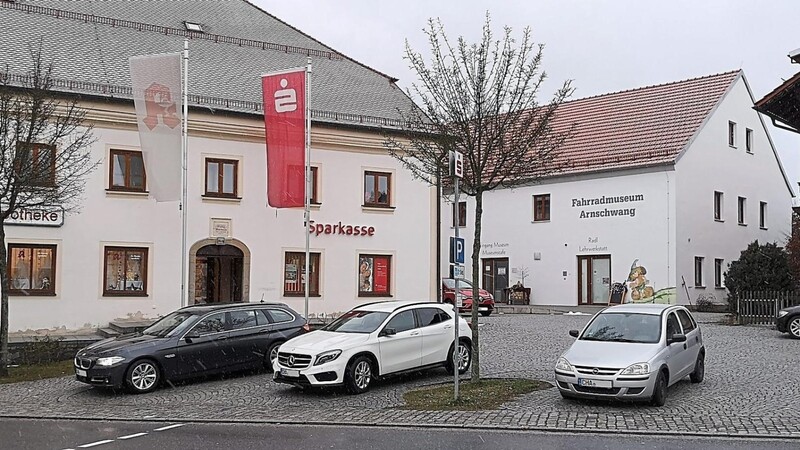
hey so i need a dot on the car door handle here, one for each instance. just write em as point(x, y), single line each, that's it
point(265, 330)
point(447, 327)
point(684, 346)
point(221, 338)
point(416, 333)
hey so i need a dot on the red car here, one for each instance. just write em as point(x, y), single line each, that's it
point(485, 307)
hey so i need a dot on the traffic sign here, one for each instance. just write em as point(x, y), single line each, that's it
point(458, 271)
point(456, 164)
point(456, 250)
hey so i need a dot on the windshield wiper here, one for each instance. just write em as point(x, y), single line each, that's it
point(622, 340)
point(591, 338)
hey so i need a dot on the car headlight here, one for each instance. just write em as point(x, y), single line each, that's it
point(637, 369)
point(110, 361)
point(782, 313)
point(563, 365)
point(329, 356)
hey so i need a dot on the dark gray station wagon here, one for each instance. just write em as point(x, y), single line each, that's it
point(192, 341)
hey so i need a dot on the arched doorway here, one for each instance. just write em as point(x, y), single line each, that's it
point(218, 274)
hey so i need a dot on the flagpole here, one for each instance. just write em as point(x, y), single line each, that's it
point(308, 189)
point(184, 178)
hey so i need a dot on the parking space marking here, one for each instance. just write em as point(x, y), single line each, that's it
point(93, 444)
point(131, 436)
point(169, 427)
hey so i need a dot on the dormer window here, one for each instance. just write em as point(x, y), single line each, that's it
point(191, 26)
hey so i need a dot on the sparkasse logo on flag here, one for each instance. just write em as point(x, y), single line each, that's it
point(285, 123)
point(156, 81)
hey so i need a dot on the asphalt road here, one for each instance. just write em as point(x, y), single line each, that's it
point(27, 434)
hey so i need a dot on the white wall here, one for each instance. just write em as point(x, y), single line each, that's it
point(108, 219)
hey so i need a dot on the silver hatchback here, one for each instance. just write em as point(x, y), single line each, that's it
point(632, 352)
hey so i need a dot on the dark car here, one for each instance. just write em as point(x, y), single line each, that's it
point(485, 306)
point(192, 341)
point(789, 321)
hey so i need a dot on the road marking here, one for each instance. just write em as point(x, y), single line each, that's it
point(169, 427)
point(96, 443)
point(131, 436)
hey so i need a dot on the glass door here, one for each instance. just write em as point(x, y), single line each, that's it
point(594, 279)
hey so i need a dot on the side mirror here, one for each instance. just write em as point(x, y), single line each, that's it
point(574, 333)
point(388, 332)
point(677, 338)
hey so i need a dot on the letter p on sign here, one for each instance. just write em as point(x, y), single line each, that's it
point(456, 164)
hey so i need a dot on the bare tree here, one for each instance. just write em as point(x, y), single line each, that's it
point(44, 157)
point(480, 99)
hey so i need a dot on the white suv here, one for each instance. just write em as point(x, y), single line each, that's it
point(375, 340)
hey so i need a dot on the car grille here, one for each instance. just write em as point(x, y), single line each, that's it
point(585, 370)
point(84, 363)
point(596, 390)
point(294, 360)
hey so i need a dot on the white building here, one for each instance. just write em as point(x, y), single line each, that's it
point(120, 255)
point(673, 180)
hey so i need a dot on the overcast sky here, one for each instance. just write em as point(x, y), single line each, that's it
point(602, 45)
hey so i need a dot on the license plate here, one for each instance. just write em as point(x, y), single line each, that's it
point(290, 373)
point(594, 383)
point(80, 373)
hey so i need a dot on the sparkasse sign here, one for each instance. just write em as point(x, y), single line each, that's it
point(38, 217)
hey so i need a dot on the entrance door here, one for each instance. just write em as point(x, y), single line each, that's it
point(218, 274)
point(594, 279)
point(495, 276)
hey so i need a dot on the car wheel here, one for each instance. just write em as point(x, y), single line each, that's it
point(794, 327)
point(699, 369)
point(143, 376)
point(659, 397)
point(462, 359)
point(358, 375)
point(271, 355)
point(486, 313)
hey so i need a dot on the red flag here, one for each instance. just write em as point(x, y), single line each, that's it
point(285, 123)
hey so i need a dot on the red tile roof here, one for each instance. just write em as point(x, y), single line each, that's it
point(636, 128)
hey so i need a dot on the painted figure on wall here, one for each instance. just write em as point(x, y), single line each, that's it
point(642, 291)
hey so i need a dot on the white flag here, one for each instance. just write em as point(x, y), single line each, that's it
point(156, 83)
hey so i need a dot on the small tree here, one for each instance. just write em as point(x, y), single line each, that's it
point(793, 248)
point(759, 267)
point(480, 99)
point(44, 157)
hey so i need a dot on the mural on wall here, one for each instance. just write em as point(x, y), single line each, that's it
point(642, 291)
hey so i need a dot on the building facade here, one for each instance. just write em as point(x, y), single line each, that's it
point(658, 190)
point(119, 254)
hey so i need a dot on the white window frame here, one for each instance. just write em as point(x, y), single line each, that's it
point(732, 134)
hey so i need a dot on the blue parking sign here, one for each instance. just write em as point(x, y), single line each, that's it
point(456, 250)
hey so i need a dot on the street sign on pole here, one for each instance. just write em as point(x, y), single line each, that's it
point(458, 271)
point(456, 250)
point(456, 164)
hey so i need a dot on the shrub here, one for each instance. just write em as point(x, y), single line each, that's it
point(759, 268)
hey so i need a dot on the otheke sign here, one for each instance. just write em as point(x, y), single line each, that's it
point(348, 230)
point(53, 217)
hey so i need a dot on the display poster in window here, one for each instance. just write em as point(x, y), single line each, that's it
point(382, 275)
point(291, 273)
point(365, 274)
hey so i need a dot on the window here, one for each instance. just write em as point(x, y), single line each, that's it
point(462, 214)
point(35, 165)
point(294, 277)
point(748, 140)
point(242, 319)
point(404, 321)
point(718, 264)
point(214, 323)
point(31, 269)
point(718, 205)
point(742, 210)
point(732, 134)
point(221, 177)
point(314, 181)
point(673, 326)
point(126, 171)
point(377, 189)
point(686, 321)
point(431, 316)
point(280, 316)
point(191, 26)
point(125, 271)
point(541, 207)
point(762, 215)
point(698, 271)
point(374, 274)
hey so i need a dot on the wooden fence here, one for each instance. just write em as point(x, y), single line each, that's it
point(761, 307)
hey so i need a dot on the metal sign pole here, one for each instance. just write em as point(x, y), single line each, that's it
point(307, 201)
point(456, 303)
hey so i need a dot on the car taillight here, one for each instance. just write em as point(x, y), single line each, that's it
point(306, 327)
point(469, 324)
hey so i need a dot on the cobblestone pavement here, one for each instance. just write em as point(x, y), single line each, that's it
point(752, 387)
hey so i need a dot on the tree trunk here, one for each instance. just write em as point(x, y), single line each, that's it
point(476, 295)
point(3, 303)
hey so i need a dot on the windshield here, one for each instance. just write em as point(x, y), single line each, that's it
point(167, 324)
point(624, 327)
point(358, 322)
point(450, 283)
